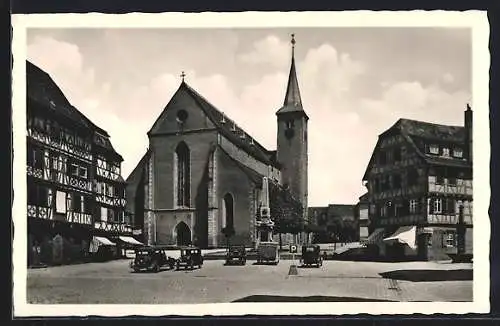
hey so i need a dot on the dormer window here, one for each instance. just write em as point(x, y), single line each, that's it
point(458, 152)
point(446, 152)
point(434, 149)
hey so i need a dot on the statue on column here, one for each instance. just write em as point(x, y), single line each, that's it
point(267, 248)
point(264, 223)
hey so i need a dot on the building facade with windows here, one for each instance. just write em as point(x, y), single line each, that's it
point(75, 194)
point(362, 209)
point(335, 223)
point(419, 179)
point(202, 172)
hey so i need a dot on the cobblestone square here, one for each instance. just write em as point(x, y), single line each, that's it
point(113, 282)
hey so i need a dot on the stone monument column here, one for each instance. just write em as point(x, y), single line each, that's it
point(264, 223)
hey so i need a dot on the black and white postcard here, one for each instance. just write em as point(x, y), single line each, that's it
point(217, 163)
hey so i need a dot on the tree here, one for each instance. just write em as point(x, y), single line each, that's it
point(228, 232)
point(286, 211)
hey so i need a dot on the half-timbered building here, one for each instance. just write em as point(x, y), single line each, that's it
point(419, 181)
point(75, 194)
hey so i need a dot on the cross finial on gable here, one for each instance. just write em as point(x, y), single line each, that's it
point(183, 75)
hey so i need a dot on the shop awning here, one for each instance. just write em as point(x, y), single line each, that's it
point(130, 240)
point(104, 241)
point(406, 235)
point(375, 236)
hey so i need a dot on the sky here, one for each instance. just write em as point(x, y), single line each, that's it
point(355, 83)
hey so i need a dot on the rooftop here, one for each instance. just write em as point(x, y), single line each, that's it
point(431, 131)
point(42, 89)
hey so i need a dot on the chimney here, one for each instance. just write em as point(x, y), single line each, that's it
point(468, 133)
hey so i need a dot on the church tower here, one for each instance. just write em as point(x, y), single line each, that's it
point(292, 138)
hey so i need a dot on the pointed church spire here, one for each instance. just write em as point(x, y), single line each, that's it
point(292, 96)
point(293, 101)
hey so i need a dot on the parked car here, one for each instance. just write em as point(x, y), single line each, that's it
point(267, 252)
point(236, 255)
point(151, 259)
point(311, 256)
point(190, 257)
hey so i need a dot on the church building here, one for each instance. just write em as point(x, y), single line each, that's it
point(202, 172)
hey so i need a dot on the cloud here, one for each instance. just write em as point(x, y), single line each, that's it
point(328, 73)
point(343, 125)
point(65, 61)
point(270, 50)
point(414, 101)
point(448, 78)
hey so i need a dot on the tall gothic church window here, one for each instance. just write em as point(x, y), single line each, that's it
point(228, 211)
point(183, 174)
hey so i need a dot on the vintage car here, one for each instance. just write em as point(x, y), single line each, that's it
point(151, 259)
point(236, 255)
point(311, 256)
point(190, 257)
point(267, 252)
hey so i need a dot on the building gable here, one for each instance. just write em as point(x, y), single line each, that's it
point(207, 117)
point(418, 135)
point(181, 114)
point(388, 138)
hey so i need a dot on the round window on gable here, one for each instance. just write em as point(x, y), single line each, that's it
point(182, 116)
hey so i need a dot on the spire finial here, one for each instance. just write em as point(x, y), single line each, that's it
point(468, 107)
point(183, 75)
point(293, 43)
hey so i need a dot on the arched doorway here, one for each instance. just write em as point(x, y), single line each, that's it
point(183, 234)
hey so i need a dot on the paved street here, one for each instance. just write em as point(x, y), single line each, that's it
point(113, 282)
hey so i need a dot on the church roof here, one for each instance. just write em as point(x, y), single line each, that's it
point(293, 101)
point(253, 175)
point(231, 130)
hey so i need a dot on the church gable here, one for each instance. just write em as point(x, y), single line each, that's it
point(181, 114)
